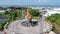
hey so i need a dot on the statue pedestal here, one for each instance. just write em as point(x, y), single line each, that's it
point(29, 30)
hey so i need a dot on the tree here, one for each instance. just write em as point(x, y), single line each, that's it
point(54, 18)
point(1, 26)
point(6, 12)
point(34, 12)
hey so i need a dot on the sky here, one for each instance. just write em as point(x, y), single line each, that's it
point(29, 2)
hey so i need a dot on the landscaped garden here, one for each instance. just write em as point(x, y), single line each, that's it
point(12, 15)
point(54, 18)
point(55, 21)
point(35, 13)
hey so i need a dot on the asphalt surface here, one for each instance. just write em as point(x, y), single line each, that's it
point(17, 28)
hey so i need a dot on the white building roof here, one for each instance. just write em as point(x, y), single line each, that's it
point(2, 10)
point(49, 12)
point(57, 9)
point(36, 8)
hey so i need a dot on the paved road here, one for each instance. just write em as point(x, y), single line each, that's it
point(2, 32)
point(16, 27)
point(45, 26)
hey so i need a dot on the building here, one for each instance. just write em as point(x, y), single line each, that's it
point(50, 12)
point(57, 9)
point(1, 11)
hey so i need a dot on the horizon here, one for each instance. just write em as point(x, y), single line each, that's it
point(29, 2)
point(52, 6)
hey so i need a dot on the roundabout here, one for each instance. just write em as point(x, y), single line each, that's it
point(29, 26)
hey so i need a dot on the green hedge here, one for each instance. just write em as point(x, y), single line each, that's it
point(54, 18)
point(34, 12)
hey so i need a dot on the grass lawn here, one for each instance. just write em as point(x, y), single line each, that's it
point(35, 17)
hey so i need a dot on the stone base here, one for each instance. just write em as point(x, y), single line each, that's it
point(28, 24)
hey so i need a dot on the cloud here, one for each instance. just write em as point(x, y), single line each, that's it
point(29, 2)
point(43, 1)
